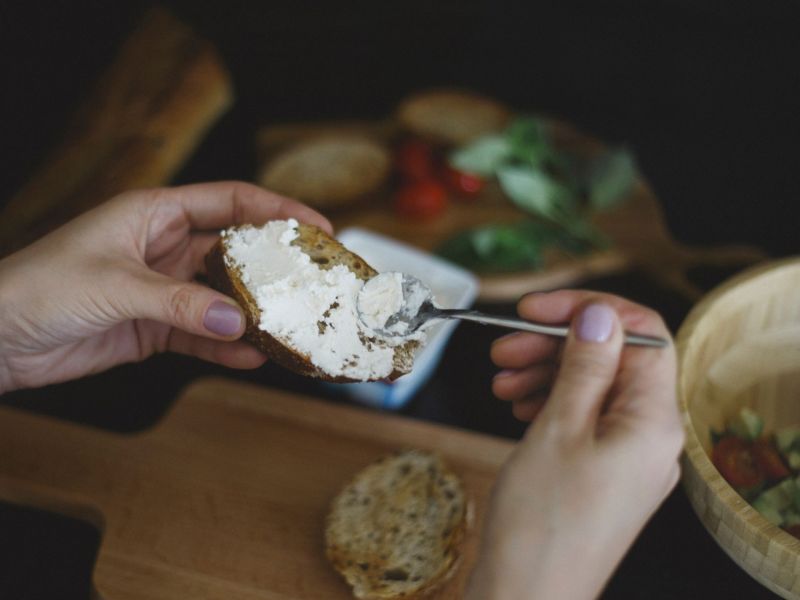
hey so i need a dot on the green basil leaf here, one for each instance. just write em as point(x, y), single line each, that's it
point(496, 248)
point(529, 144)
point(611, 179)
point(483, 156)
point(509, 247)
point(536, 192)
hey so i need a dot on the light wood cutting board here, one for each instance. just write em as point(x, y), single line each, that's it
point(226, 497)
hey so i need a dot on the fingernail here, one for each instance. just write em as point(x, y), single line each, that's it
point(596, 323)
point(508, 336)
point(505, 373)
point(223, 318)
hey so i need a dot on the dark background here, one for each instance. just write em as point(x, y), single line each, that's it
point(704, 92)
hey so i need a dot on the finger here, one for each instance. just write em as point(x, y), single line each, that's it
point(528, 410)
point(518, 350)
point(589, 366)
point(560, 306)
point(188, 306)
point(518, 384)
point(237, 355)
point(188, 259)
point(225, 203)
point(645, 386)
point(198, 249)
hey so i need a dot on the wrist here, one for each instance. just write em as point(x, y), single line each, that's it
point(541, 564)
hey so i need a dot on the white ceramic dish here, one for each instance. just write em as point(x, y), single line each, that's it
point(452, 286)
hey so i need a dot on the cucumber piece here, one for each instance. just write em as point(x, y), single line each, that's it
point(766, 510)
point(779, 497)
point(788, 439)
point(793, 458)
point(747, 424)
point(790, 517)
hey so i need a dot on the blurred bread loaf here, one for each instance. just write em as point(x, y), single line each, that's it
point(329, 171)
point(396, 530)
point(162, 90)
point(451, 117)
point(298, 287)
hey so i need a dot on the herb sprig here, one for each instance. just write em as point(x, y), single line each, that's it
point(558, 190)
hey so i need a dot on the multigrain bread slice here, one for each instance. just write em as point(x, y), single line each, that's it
point(451, 117)
point(330, 171)
point(397, 529)
point(324, 251)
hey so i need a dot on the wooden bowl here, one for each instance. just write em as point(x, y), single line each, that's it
point(740, 346)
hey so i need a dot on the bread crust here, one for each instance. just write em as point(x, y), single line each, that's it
point(324, 251)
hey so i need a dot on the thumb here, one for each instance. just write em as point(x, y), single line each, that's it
point(191, 307)
point(589, 366)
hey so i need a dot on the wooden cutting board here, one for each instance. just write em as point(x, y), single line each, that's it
point(637, 229)
point(226, 497)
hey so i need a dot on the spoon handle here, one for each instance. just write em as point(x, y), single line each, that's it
point(632, 339)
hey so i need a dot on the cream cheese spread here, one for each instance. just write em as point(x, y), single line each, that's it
point(307, 308)
point(393, 294)
point(380, 298)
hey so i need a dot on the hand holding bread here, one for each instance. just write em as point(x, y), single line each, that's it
point(116, 284)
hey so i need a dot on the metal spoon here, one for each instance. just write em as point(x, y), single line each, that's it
point(417, 309)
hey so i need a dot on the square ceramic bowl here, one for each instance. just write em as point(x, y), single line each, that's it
point(452, 286)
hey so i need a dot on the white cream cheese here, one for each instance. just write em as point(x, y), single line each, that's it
point(380, 298)
point(389, 295)
point(309, 309)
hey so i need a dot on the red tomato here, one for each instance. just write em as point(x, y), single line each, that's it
point(734, 458)
point(769, 460)
point(421, 200)
point(414, 159)
point(464, 184)
point(794, 530)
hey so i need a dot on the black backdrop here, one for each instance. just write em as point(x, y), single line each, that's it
point(705, 92)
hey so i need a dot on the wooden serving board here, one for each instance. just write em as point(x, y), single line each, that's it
point(636, 229)
point(226, 497)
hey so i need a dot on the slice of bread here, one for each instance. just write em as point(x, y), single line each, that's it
point(451, 117)
point(329, 171)
point(396, 530)
point(325, 252)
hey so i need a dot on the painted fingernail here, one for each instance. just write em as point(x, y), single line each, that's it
point(505, 373)
point(223, 318)
point(508, 336)
point(596, 323)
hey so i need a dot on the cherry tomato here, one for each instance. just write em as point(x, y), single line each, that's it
point(793, 530)
point(421, 200)
point(769, 460)
point(466, 185)
point(414, 160)
point(736, 462)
